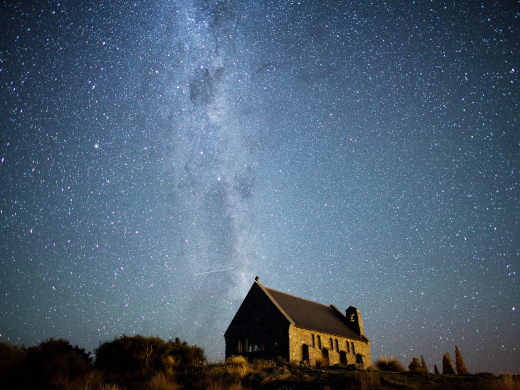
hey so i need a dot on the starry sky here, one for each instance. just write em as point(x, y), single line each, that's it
point(157, 155)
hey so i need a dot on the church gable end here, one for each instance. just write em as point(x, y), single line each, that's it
point(259, 328)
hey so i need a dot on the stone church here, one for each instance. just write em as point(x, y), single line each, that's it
point(271, 323)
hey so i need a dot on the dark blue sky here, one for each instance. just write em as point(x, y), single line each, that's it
point(156, 156)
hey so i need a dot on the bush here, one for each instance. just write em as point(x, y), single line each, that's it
point(56, 364)
point(415, 365)
point(385, 364)
point(322, 362)
point(237, 366)
point(11, 360)
point(140, 355)
point(418, 366)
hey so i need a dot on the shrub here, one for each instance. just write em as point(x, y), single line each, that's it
point(385, 364)
point(56, 364)
point(237, 366)
point(186, 355)
point(145, 355)
point(11, 361)
point(415, 365)
point(322, 362)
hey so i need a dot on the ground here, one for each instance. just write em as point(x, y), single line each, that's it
point(341, 378)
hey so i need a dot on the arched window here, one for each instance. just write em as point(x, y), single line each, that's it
point(331, 345)
point(319, 342)
point(348, 347)
point(353, 350)
point(313, 343)
point(337, 345)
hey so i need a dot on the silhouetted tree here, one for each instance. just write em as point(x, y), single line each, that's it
point(12, 358)
point(53, 364)
point(459, 362)
point(435, 369)
point(187, 356)
point(415, 365)
point(138, 355)
point(423, 364)
point(447, 367)
point(131, 354)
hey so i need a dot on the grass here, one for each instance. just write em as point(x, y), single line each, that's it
point(506, 382)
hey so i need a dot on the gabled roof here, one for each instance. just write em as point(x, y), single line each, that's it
point(311, 315)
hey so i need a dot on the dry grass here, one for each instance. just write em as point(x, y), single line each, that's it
point(367, 380)
point(110, 387)
point(162, 381)
point(237, 366)
point(506, 382)
point(232, 374)
point(225, 376)
point(262, 365)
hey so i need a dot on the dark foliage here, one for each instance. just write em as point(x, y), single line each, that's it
point(415, 365)
point(423, 364)
point(12, 358)
point(391, 364)
point(447, 367)
point(138, 355)
point(53, 364)
point(459, 362)
point(435, 369)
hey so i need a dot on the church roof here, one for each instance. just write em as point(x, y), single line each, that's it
point(311, 315)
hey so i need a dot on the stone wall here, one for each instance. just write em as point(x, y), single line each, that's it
point(301, 343)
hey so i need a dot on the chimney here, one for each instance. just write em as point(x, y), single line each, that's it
point(354, 320)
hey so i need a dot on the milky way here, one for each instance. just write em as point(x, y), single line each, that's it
point(157, 156)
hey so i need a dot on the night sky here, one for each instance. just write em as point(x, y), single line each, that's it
point(157, 155)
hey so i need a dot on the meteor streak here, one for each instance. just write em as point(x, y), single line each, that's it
point(210, 272)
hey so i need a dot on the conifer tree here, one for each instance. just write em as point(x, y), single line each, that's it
point(423, 364)
point(447, 368)
point(435, 369)
point(459, 362)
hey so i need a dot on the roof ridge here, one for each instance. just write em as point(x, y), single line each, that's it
point(278, 306)
point(294, 296)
